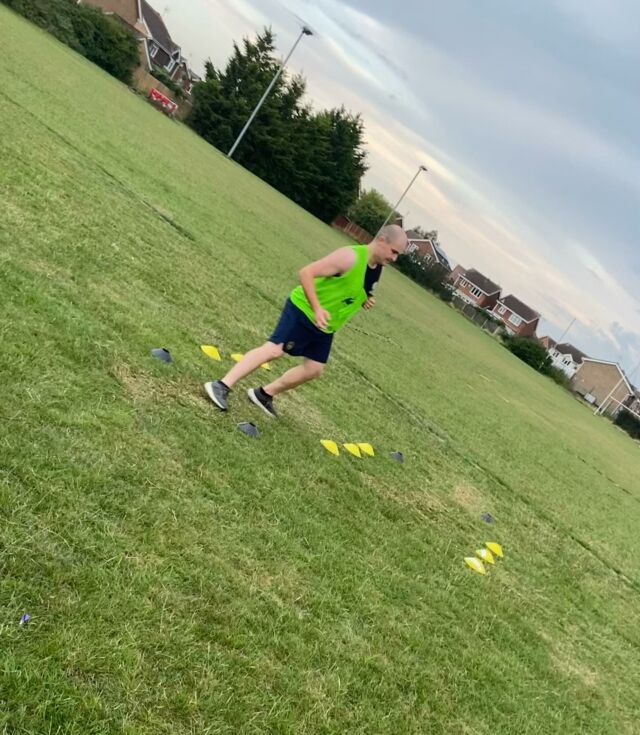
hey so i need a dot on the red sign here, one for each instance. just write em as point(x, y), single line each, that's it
point(163, 100)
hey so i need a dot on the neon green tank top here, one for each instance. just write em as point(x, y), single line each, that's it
point(342, 296)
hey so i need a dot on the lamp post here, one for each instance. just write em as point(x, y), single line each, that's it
point(404, 193)
point(304, 32)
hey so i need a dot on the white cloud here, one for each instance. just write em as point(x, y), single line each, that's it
point(425, 105)
point(605, 20)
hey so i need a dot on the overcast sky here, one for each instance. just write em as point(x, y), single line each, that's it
point(526, 114)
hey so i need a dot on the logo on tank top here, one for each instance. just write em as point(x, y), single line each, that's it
point(348, 301)
point(290, 345)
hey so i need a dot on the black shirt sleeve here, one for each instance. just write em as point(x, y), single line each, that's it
point(371, 277)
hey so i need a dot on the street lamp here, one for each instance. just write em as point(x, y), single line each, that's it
point(306, 31)
point(397, 204)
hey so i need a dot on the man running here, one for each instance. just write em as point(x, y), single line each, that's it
point(331, 291)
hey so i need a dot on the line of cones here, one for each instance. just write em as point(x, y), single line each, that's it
point(489, 553)
point(361, 449)
point(214, 353)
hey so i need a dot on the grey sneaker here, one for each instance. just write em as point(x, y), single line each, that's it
point(262, 400)
point(218, 392)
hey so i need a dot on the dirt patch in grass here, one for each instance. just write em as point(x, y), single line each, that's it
point(142, 387)
point(469, 497)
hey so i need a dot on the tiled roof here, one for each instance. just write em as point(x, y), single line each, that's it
point(516, 306)
point(413, 235)
point(157, 28)
point(564, 348)
point(482, 282)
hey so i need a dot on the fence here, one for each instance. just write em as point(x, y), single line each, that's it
point(474, 315)
point(145, 82)
point(351, 228)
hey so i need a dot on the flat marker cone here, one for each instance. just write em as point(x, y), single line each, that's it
point(475, 564)
point(330, 446)
point(352, 449)
point(211, 351)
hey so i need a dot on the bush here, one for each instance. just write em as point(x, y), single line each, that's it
point(162, 76)
point(558, 376)
point(86, 30)
point(627, 421)
point(531, 352)
point(430, 276)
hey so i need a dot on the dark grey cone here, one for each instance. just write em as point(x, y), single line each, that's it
point(487, 517)
point(398, 456)
point(246, 427)
point(162, 353)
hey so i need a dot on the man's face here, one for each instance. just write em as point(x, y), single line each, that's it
point(389, 250)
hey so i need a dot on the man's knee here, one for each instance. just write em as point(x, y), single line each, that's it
point(275, 351)
point(314, 369)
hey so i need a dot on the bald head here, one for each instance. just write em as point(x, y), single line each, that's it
point(396, 236)
point(390, 242)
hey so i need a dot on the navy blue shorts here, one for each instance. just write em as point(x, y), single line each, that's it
point(298, 335)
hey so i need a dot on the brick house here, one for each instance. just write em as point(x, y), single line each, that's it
point(157, 49)
point(453, 276)
point(595, 380)
point(163, 53)
point(426, 250)
point(566, 357)
point(476, 289)
point(518, 318)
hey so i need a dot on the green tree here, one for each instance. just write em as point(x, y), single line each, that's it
point(106, 42)
point(530, 351)
point(370, 211)
point(427, 234)
point(431, 276)
point(315, 159)
point(86, 30)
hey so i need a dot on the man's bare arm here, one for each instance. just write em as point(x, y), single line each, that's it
point(334, 264)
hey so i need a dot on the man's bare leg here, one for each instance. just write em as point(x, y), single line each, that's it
point(251, 361)
point(309, 370)
point(218, 390)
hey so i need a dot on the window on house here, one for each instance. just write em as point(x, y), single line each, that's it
point(153, 50)
point(502, 310)
point(170, 65)
point(476, 291)
point(515, 320)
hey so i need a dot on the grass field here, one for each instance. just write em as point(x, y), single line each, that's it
point(182, 578)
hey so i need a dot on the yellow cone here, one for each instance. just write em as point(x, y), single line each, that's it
point(330, 446)
point(475, 564)
point(266, 366)
point(366, 448)
point(485, 555)
point(237, 356)
point(211, 351)
point(494, 548)
point(352, 449)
